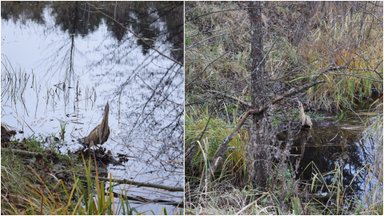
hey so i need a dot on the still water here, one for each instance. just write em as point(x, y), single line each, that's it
point(342, 151)
point(63, 61)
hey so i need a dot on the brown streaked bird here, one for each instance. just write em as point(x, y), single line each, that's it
point(100, 133)
point(6, 133)
point(305, 119)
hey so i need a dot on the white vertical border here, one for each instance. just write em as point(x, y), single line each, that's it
point(185, 97)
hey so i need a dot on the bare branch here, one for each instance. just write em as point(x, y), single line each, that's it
point(205, 68)
point(138, 184)
point(146, 200)
point(212, 12)
point(231, 97)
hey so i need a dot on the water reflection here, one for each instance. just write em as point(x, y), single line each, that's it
point(62, 61)
point(83, 18)
point(338, 152)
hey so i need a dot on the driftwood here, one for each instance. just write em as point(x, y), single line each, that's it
point(146, 200)
point(139, 184)
point(219, 154)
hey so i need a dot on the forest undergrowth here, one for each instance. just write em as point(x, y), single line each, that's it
point(338, 44)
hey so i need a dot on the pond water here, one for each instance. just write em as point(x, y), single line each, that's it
point(342, 151)
point(63, 61)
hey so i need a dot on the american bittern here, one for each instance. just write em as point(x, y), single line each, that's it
point(6, 133)
point(100, 133)
point(305, 119)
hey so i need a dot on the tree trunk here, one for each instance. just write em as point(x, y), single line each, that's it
point(257, 149)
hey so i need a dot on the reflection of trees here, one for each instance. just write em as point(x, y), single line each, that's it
point(158, 116)
point(156, 26)
point(82, 18)
point(327, 155)
point(75, 17)
point(173, 17)
point(17, 11)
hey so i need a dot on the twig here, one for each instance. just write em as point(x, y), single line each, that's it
point(331, 68)
point(205, 40)
point(358, 76)
point(205, 128)
point(232, 97)
point(205, 68)
point(212, 12)
point(25, 153)
point(224, 146)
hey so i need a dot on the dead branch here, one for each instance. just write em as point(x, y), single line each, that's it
point(139, 184)
point(358, 76)
point(146, 200)
point(224, 146)
point(231, 97)
point(203, 71)
point(211, 12)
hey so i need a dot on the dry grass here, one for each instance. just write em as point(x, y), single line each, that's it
point(217, 58)
point(27, 188)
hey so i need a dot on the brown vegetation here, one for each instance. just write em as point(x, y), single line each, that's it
point(245, 65)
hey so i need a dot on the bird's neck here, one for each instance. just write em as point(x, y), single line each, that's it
point(301, 109)
point(105, 118)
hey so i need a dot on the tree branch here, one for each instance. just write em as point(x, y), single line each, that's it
point(146, 200)
point(209, 13)
point(231, 97)
point(139, 184)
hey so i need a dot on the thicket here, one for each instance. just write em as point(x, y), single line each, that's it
point(340, 43)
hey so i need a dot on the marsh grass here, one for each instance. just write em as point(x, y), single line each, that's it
point(291, 197)
point(28, 189)
point(217, 58)
point(324, 193)
point(212, 135)
point(350, 87)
